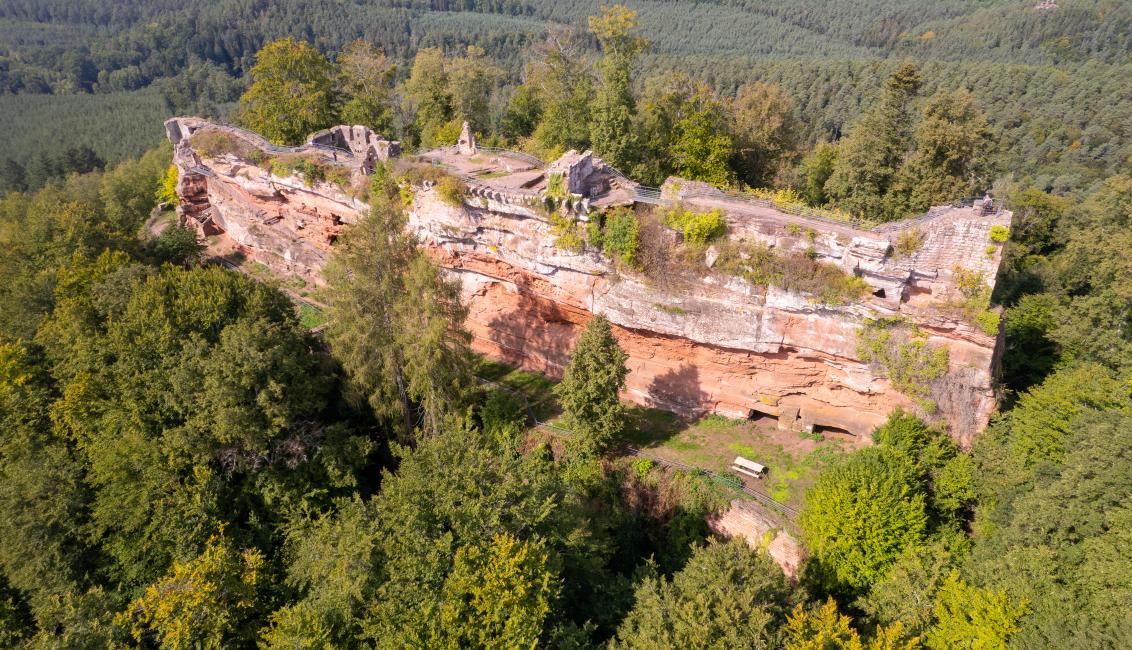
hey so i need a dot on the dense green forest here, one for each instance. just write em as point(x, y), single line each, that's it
point(183, 464)
point(1054, 83)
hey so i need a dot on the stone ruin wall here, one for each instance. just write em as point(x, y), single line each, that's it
point(721, 345)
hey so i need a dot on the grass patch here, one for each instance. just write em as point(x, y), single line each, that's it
point(311, 317)
point(499, 173)
point(713, 442)
point(537, 388)
point(259, 271)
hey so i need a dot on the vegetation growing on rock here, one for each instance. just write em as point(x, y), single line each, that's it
point(183, 464)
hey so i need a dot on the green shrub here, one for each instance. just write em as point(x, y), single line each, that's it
point(503, 418)
point(976, 299)
point(407, 194)
point(988, 322)
point(697, 228)
point(671, 309)
point(794, 271)
point(642, 467)
point(594, 235)
point(310, 171)
point(972, 286)
point(451, 190)
point(908, 243)
point(621, 234)
point(565, 229)
point(999, 234)
point(902, 353)
point(556, 186)
point(717, 421)
point(212, 143)
point(447, 134)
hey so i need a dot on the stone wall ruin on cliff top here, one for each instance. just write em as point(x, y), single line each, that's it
point(717, 344)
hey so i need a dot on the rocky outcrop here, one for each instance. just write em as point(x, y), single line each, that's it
point(747, 521)
point(708, 343)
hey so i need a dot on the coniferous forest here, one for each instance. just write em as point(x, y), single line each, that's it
point(185, 462)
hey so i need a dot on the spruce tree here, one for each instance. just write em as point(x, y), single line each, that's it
point(590, 387)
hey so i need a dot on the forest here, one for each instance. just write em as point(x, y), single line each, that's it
point(184, 463)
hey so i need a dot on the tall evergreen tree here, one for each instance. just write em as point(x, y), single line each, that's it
point(871, 154)
point(13, 177)
point(397, 322)
point(613, 105)
point(590, 387)
point(727, 596)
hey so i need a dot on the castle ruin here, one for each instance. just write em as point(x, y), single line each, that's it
point(709, 343)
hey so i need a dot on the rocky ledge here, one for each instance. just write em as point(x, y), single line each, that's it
point(711, 343)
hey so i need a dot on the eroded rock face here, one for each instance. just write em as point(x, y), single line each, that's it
point(712, 344)
point(744, 519)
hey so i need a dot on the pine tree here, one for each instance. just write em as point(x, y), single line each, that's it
point(590, 387)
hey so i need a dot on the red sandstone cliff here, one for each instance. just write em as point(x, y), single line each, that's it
point(716, 344)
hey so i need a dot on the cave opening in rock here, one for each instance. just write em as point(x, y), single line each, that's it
point(830, 431)
point(879, 293)
point(762, 418)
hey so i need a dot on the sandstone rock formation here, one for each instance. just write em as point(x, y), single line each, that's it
point(718, 344)
point(745, 519)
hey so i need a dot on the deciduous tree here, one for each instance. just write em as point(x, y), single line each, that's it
point(766, 132)
point(292, 92)
point(366, 80)
point(860, 515)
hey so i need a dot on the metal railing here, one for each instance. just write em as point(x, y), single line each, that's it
point(643, 194)
point(525, 157)
point(803, 211)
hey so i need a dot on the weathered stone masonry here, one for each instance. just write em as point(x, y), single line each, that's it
point(720, 344)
